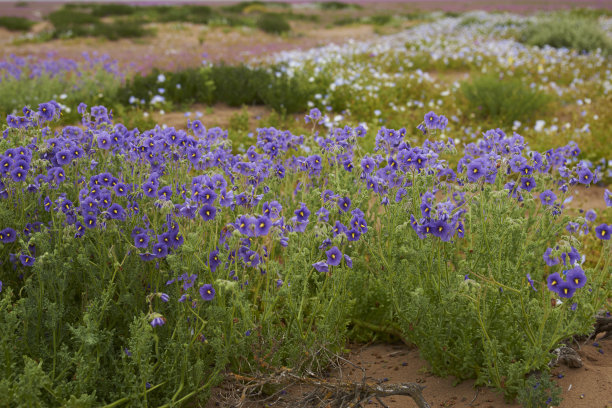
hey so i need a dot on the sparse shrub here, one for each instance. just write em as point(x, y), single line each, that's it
point(337, 5)
point(347, 21)
point(273, 23)
point(539, 392)
point(16, 23)
point(239, 85)
point(119, 29)
point(289, 95)
point(380, 19)
point(470, 20)
point(504, 100)
point(581, 34)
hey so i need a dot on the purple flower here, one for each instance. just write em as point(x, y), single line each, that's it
point(213, 260)
point(208, 212)
point(344, 204)
point(141, 240)
point(18, 174)
point(368, 164)
point(431, 120)
point(147, 256)
point(302, 213)
point(590, 216)
point(164, 193)
point(164, 297)
point(576, 277)
point(90, 220)
point(334, 256)
point(475, 170)
point(321, 266)
point(207, 292)
point(566, 290)
point(26, 260)
point(104, 141)
point(585, 176)
point(353, 235)
point(348, 260)
point(608, 198)
point(160, 250)
point(549, 260)
point(531, 282)
point(442, 122)
point(116, 212)
point(323, 214)
point(8, 235)
point(528, 183)
point(158, 321)
point(553, 281)
point(149, 189)
point(63, 157)
point(442, 230)
point(548, 197)
point(262, 226)
point(46, 111)
point(603, 231)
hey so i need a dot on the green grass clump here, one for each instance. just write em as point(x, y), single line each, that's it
point(337, 5)
point(380, 19)
point(581, 34)
point(273, 23)
point(16, 23)
point(503, 100)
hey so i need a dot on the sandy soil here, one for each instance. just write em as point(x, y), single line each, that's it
point(177, 46)
point(586, 387)
point(218, 115)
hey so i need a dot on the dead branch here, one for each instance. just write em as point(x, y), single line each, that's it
point(566, 355)
point(340, 394)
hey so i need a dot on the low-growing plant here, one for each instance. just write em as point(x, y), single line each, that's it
point(16, 23)
point(239, 85)
point(380, 19)
point(504, 100)
point(337, 5)
point(581, 34)
point(540, 391)
point(273, 23)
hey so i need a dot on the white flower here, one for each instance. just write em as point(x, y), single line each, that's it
point(157, 99)
point(161, 78)
point(539, 125)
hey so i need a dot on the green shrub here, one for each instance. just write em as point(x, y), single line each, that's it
point(65, 18)
point(540, 391)
point(503, 100)
point(347, 21)
point(580, 34)
point(469, 21)
point(181, 88)
point(239, 85)
point(119, 29)
point(380, 19)
point(290, 95)
point(188, 13)
point(273, 23)
point(337, 5)
point(16, 23)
